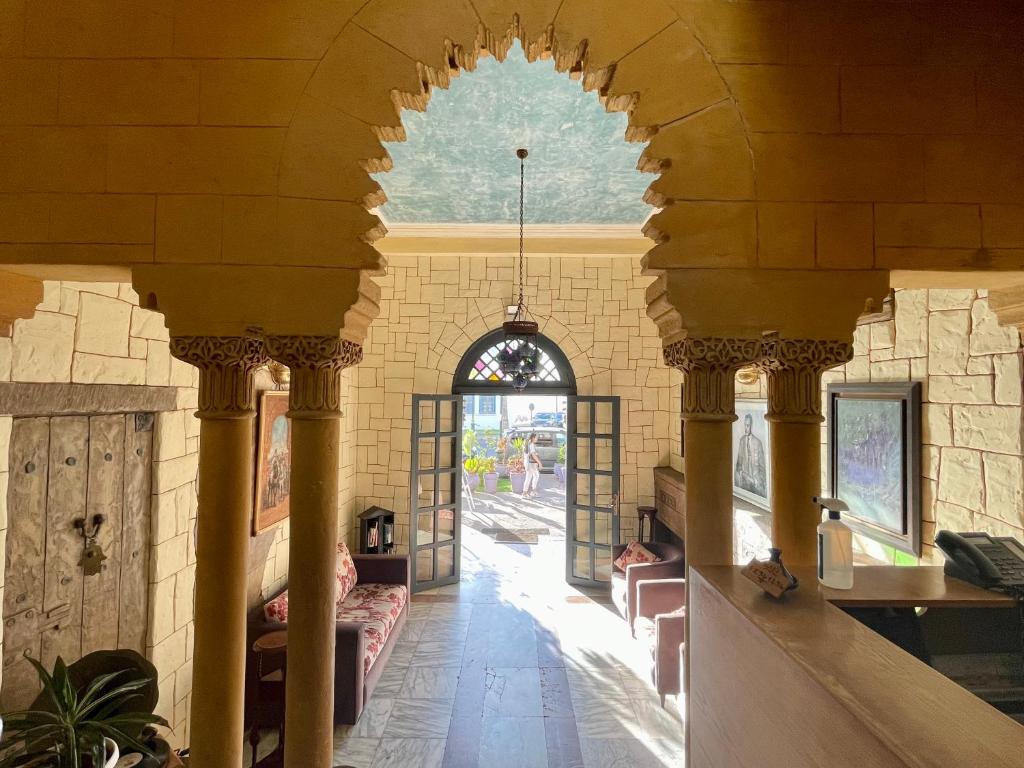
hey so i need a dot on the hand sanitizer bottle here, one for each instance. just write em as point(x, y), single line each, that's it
point(835, 546)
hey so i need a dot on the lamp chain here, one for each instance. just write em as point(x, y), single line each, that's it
point(522, 192)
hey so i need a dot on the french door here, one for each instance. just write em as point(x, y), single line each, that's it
point(436, 489)
point(592, 489)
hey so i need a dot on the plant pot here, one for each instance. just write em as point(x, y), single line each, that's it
point(113, 755)
point(560, 472)
point(491, 482)
point(518, 479)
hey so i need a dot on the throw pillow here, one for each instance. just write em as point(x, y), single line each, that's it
point(277, 609)
point(635, 553)
point(347, 576)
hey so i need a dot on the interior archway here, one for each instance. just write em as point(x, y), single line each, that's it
point(478, 371)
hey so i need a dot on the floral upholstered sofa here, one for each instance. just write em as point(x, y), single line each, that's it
point(371, 608)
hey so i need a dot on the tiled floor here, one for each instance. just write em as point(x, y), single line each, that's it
point(504, 669)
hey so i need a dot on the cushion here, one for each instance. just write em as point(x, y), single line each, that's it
point(377, 607)
point(346, 573)
point(634, 553)
point(277, 609)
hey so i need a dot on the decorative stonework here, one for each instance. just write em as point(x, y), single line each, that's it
point(794, 368)
point(710, 367)
point(227, 366)
point(316, 363)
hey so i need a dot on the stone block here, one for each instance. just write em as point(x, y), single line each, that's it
point(785, 98)
point(1008, 379)
point(169, 436)
point(103, 325)
point(911, 321)
point(174, 473)
point(42, 348)
point(995, 428)
point(739, 32)
point(148, 325)
point(980, 365)
point(907, 99)
point(161, 610)
point(883, 335)
point(931, 225)
point(947, 298)
point(948, 345)
point(99, 369)
point(953, 517)
point(960, 478)
point(53, 159)
point(960, 389)
point(982, 169)
point(158, 363)
point(987, 336)
point(251, 92)
point(785, 235)
point(129, 92)
point(97, 29)
point(890, 370)
point(169, 557)
point(184, 595)
point(1004, 488)
point(937, 424)
point(188, 228)
point(170, 655)
point(30, 89)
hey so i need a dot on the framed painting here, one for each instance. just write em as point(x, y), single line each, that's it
point(751, 466)
point(273, 462)
point(874, 459)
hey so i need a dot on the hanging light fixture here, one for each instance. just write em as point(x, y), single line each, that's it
point(519, 355)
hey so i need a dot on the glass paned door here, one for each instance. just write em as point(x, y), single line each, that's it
point(436, 490)
point(592, 489)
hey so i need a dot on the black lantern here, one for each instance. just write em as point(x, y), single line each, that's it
point(519, 357)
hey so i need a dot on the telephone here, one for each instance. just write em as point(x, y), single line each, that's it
point(990, 562)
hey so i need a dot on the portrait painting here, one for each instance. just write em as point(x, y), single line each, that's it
point(273, 462)
point(751, 468)
point(874, 449)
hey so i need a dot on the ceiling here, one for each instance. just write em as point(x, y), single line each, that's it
point(458, 165)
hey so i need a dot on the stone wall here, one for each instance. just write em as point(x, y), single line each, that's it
point(94, 333)
point(434, 307)
point(970, 369)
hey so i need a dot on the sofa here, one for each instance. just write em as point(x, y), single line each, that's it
point(371, 610)
point(661, 619)
point(624, 583)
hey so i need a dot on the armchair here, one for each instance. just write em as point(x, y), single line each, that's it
point(624, 583)
point(663, 604)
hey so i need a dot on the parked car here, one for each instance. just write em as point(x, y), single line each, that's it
point(549, 419)
point(549, 439)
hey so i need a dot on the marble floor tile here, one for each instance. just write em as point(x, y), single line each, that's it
point(391, 681)
point(420, 610)
point(413, 630)
point(419, 718)
point(409, 753)
point(615, 753)
point(402, 653)
point(355, 751)
point(430, 683)
point(513, 742)
point(657, 722)
point(607, 717)
point(512, 692)
point(437, 653)
point(372, 720)
point(554, 693)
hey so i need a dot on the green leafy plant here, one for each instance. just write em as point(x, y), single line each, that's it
point(487, 465)
point(518, 445)
point(516, 464)
point(472, 465)
point(503, 449)
point(71, 723)
point(468, 442)
point(561, 454)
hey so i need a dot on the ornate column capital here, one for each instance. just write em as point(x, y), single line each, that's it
point(227, 367)
point(710, 366)
point(316, 363)
point(794, 368)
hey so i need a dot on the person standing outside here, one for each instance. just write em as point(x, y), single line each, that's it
point(533, 466)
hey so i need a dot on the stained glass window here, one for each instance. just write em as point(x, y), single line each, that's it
point(486, 367)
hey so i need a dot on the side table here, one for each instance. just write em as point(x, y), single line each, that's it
point(267, 707)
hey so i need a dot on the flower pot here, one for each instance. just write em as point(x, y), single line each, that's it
point(518, 479)
point(113, 755)
point(560, 472)
point(491, 482)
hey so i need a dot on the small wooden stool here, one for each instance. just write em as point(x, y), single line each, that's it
point(648, 513)
point(268, 706)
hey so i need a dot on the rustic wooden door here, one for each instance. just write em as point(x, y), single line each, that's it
point(62, 470)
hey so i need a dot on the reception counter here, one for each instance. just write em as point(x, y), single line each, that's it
point(800, 683)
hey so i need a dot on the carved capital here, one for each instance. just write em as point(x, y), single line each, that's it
point(710, 366)
point(227, 367)
point(316, 363)
point(794, 368)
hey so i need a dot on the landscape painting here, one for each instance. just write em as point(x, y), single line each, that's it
point(874, 444)
point(273, 464)
point(751, 463)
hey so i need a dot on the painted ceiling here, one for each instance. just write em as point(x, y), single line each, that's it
point(458, 165)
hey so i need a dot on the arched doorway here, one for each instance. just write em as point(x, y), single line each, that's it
point(586, 425)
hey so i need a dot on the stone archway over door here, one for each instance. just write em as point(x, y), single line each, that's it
point(63, 469)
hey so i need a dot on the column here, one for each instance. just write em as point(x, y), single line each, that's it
point(316, 363)
point(709, 365)
point(794, 368)
point(227, 365)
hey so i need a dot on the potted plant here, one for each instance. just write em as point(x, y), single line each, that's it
point(84, 720)
point(501, 465)
point(517, 465)
point(560, 464)
point(472, 465)
point(487, 467)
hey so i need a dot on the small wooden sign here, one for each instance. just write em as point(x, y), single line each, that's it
point(770, 576)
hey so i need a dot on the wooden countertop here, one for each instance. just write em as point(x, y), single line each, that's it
point(919, 715)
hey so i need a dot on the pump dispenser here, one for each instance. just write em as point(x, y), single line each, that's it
point(835, 546)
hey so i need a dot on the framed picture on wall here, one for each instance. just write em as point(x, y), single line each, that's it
point(751, 469)
point(874, 459)
point(273, 462)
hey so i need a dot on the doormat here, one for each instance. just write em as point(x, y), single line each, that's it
point(515, 537)
point(522, 531)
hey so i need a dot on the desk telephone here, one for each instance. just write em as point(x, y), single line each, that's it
point(992, 562)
